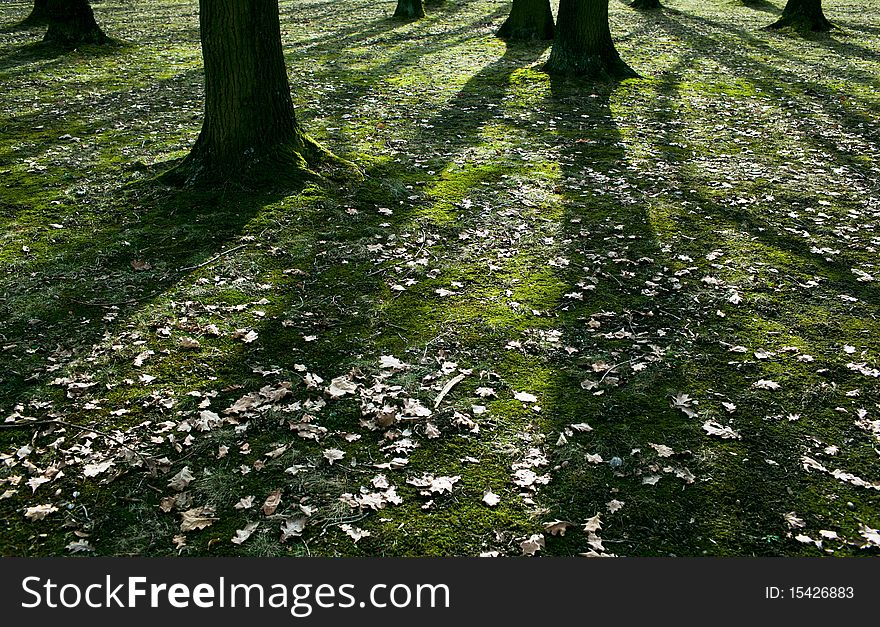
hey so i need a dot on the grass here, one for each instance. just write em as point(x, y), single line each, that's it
point(603, 248)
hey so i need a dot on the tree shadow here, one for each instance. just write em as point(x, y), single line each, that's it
point(649, 319)
point(44, 51)
point(762, 5)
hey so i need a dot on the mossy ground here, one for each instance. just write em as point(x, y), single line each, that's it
point(601, 247)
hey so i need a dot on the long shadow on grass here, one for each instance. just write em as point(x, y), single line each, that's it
point(645, 352)
point(145, 244)
point(733, 508)
point(761, 5)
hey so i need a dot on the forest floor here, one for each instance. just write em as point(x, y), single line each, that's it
point(555, 317)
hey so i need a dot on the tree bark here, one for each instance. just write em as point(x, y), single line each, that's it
point(644, 5)
point(803, 15)
point(583, 44)
point(72, 23)
point(528, 19)
point(38, 16)
point(250, 132)
point(409, 9)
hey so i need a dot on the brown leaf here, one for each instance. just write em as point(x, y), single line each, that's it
point(272, 502)
point(557, 527)
point(197, 518)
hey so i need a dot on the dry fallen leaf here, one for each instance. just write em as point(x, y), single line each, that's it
point(593, 524)
point(39, 512)
point(393, 363)
point(355, 533)
point(525, 397)
point(197, 518)
point(713, 428)
point(292, 528)
point(333, 454)
point(532, 544)
point(614, 505)
point(181, 480)
point(490, 498)
point(246, 502)
point(557, 527)
point(340, 386)
point(272, 502)
point(243, 534)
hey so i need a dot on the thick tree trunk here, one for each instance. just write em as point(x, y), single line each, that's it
point(39, 14)
point(644, 5)
point(803, 15)
point(72, 23)
point(528, 19)
point(250, 132)
point(583, 44)
point(409, 9)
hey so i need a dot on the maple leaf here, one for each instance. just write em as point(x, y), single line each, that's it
point(614, 505)
point(272, 502)
point(197, 518)
point(443, 484)
point(532, 544)
point(243, 534)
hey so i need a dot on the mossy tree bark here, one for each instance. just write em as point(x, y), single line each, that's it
point(250, 133)
point(583, 44)
point(803, 15)
point(72, 23)
point(528, 19)
point(39, 14)
point(409, 9)
point(644, 5)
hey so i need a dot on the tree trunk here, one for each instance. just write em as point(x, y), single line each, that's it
point(583, 45)
point(409, 9)
point(528, 19)
point(803, 15)
point(72, 23)
point(644, 5)
point(250, 132)
point(38, 16)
